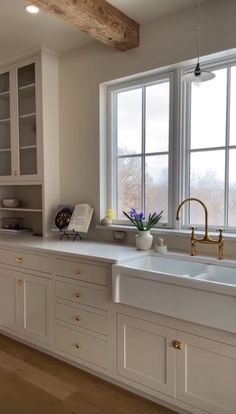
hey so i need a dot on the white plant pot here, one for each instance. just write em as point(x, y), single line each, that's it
point(144, 240)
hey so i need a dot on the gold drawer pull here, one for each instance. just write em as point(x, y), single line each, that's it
point(77, 318)
point(77, 295)
point(177, 345)
point(77, 346)
point(19, 260)
point(77, 271)
point(19, 282)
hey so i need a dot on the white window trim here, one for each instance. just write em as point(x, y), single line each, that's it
point(112, 143)
point(179, 133)
point(185, 109)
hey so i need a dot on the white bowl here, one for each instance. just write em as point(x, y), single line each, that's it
point(10, 202)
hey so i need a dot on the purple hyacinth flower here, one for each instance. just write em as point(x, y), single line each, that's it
point(133, 212)
point(141, 216)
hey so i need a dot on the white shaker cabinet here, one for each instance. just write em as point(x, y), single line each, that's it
point(5, 124)
point(206, 374)
point(196, 371)
point(35, 321)
point(25, 305)
point(82, 330)
point(64, 304)
point(29, 139)
point(9, 299)
point(145, 354)
point(19, 122)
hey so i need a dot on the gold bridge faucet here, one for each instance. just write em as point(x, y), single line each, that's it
point(206, 238)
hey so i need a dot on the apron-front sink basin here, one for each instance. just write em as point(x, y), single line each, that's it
point(219, 274)
point(172, 267)
point(194, 291)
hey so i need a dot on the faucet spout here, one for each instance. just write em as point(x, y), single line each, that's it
point(188, 200)
point(206, 238)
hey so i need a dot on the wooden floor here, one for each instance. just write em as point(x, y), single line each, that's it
point(34, 383)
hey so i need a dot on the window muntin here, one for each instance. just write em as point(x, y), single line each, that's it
point(140, 148)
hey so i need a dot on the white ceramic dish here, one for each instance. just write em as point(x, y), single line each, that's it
point(10, 202)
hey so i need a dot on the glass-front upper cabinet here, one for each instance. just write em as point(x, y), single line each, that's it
point(27, 120)
point(19, 152)
point(5, 125)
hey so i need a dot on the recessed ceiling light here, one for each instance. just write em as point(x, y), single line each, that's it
point(32, 9)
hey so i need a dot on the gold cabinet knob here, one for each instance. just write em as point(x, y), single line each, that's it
point(15, 172)
point(19, 282)
point(77, 345)
point(77, 318)
point(19, 260)
point(77, 271)
point(77, 295)
point(177, 345)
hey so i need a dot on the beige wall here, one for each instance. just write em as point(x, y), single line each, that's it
point(166, 41)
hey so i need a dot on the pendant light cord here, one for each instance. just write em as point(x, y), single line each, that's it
point(197, 75)
point(198, 30)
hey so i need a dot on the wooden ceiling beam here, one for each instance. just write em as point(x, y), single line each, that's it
point(98, 18)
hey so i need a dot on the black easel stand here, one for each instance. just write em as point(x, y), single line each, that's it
point(74, 234)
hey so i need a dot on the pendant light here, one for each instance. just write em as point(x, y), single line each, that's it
point(198, 75)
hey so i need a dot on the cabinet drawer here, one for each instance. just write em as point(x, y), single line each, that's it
point(80, 294)
point(82, 346)
point(26, 261)
point(82, 318)
point(82, 271)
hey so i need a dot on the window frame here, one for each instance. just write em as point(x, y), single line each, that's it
point(223, 63)
point(178, 167)
point(113, 91)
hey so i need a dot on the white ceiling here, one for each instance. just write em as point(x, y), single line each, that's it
point(144, 11)
point(21, 31)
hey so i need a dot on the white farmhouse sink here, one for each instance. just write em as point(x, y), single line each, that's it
point(189, 290)
point(220, 274)
point(171, 267)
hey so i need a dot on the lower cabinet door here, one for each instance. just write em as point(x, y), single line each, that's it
point(36, 312)
point(9, 299)
point(206, 374)
point(146, 354)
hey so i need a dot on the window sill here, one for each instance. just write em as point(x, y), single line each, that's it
point(165, 232)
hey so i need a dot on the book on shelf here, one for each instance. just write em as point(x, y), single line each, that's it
point(81, 218)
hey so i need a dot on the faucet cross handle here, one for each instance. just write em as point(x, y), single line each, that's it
point(193, 241)
point(193, 230)
point(221, 245)
point(221, 233)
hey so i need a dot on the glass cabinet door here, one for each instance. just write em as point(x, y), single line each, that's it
point(27, 120)
point(5, 125)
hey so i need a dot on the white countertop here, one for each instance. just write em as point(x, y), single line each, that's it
point(96, 250)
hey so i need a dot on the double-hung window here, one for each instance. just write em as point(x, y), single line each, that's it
point(210, 148)
point(144, 170)
point(141, 147)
